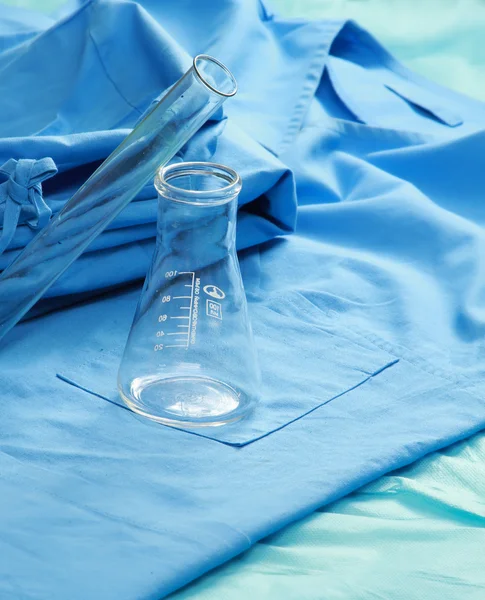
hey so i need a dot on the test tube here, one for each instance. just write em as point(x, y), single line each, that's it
point(154, 141)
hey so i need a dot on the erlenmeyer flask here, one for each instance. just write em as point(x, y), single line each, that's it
point(190, 358)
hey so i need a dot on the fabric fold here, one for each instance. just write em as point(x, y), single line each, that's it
point(22, 190)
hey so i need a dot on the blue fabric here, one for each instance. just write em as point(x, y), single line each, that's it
point(347, 365)
point(370, 317)
point(86, 104)
point(23, 189)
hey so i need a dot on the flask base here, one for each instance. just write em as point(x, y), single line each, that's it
point(186, 401)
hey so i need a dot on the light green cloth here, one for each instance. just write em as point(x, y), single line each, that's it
point(417, 534)
point(45, 6)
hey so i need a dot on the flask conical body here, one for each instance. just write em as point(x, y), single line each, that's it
point(190, 358)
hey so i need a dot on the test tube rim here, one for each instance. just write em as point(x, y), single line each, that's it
point(222, 66)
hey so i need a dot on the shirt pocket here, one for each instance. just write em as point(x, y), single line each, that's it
point(307, 361)
point(379, 97)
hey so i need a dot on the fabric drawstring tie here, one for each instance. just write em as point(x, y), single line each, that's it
point(23, 187)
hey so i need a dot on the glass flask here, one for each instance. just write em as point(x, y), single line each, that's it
point(190, 359)
point(182, 110)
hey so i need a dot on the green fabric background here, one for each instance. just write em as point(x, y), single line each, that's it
point(416, 534)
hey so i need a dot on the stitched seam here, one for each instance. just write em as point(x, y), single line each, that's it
point(389, 61)
point(309, 89)
point(362, 129)
point(400, 352)
point(67, 20)
point(396, 67)
point(416, 361)
point(267, 431)
point(113, 83)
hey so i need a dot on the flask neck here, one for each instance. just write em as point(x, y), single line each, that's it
point(197, 210)
point(194, 229)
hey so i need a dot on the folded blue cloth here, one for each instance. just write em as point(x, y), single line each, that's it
point(87, 98)
point(369, 318)
point(22, 189)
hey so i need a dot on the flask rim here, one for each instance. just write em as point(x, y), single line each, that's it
point(200, 64)
point(166, 187)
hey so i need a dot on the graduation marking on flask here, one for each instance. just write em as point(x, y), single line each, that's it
point(179, 324)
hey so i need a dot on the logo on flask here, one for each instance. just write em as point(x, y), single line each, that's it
point(214, 309)
point(214, 291)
